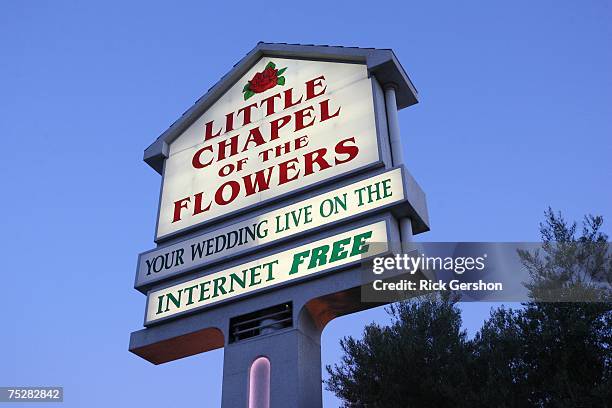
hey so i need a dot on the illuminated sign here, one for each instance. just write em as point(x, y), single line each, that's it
point(356, 198)
point(271, 271)
point(277, 185)
point(286, 124)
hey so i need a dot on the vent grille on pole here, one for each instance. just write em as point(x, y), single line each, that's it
point(261, 322)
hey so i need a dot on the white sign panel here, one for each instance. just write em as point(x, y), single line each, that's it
point(344, 202)
point(284, 125)
point(271, 271)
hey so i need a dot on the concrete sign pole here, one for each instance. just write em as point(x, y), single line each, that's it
point(294, 356)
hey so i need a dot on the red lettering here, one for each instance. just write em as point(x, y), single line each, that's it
point(325, 111)
point(208, 131)
point(229, 122)
point(289, 102)
point(198, 204)
point(284, 167)
point(235, 189)
point(299, 118)
point(232, 143)
point(197, 162)
point(277, 124)
point(312, 85)
point(301, 141)
point(254, 136)
point(246, 113)
point(343, 148)
point(261, 183)
point(178, 207)
point(318, 157)
point(269, 101)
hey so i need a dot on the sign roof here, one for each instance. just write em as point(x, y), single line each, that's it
point(380, 62)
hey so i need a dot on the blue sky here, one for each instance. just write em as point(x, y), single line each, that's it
point(516, 102)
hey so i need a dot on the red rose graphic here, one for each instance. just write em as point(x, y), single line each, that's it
point(264, 80)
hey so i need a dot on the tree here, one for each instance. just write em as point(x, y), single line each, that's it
point(566, 330)
point(420, 360)
point(570, 269)
point(496, 365)
point(555, 351)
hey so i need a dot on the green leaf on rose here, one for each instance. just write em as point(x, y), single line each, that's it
point(271, 65)
point(281, 71)
point(248, 94)
point(280, 81)
point(246, 87)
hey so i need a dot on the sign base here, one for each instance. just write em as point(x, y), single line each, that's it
point(295, 366)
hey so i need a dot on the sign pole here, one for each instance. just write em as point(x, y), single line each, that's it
point(294, 357)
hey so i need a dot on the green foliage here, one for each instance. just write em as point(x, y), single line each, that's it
point(545, 354)
point(418, 361)
point(248, 93)
point(570, 268)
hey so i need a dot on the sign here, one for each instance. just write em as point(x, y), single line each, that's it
point(271, 271)
point(276, 185)
point(357, 198)
point(285, 125)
